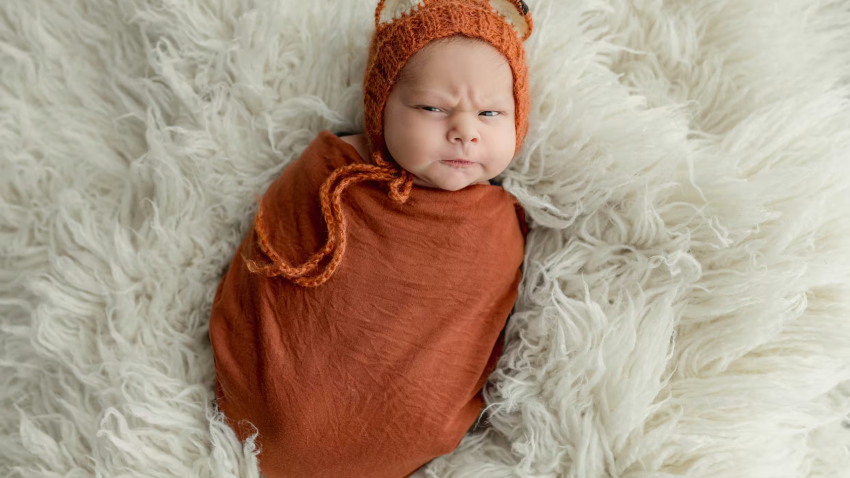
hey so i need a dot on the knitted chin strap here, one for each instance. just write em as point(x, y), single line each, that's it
point(400, 183)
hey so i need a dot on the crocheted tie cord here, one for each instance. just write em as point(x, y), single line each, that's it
point(400, 184)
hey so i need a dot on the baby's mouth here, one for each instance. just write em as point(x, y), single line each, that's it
point(458, 163)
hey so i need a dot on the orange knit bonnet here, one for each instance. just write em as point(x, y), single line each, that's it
point(404, 27)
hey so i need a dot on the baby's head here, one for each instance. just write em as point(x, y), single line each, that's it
point(452, 100)
point(446, 80)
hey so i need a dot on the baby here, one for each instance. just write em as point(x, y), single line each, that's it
point(364, 311)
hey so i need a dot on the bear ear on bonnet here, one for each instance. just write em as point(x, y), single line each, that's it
point(515, 12)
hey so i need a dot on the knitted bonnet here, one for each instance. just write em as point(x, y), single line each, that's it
point(403, 27)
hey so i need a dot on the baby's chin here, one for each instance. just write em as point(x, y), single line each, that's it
point(447, 184)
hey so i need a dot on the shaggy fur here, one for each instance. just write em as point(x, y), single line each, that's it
point(685, 308)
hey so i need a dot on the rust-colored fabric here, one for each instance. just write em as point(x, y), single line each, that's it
point(380, 369)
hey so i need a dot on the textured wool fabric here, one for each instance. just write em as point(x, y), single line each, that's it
point(380, 369)
point(683, 310)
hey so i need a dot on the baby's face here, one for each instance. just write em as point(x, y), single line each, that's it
point(457, 102)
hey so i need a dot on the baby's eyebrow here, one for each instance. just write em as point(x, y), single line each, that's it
point(484, 100)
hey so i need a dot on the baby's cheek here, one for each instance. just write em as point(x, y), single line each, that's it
point(420, 147)
point(502, 154)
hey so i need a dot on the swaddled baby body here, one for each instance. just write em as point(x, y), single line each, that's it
point(368, 357)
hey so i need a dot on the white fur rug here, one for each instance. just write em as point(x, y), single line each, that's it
point(685, 309)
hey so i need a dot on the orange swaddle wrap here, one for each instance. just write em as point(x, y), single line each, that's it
point(378, 370)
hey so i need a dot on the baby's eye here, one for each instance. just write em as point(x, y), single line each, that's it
point(495, 113)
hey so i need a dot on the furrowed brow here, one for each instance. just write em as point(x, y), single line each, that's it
point(443, 96)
